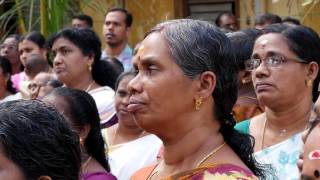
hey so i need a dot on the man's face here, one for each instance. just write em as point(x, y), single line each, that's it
point(78, 23)
point(228, 22)
point(115, 30)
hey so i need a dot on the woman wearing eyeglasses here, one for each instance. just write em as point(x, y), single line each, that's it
point(284, 66)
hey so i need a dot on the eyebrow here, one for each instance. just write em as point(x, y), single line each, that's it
point(269, 53)
point(149, 60)
point(61, 47)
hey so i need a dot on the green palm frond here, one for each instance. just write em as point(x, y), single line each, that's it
point(46, 16)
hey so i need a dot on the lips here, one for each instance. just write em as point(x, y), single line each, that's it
point(58, 70)
point(262, 86)
point(135, 105)
point(123, 111)
point(109, 35)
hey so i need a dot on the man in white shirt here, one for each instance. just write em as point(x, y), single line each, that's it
point(116, 30)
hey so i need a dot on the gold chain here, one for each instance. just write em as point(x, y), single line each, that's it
point(210, 154)
point(282, 132)
point(154, 171)
point(85, 164)
point(90, 85)
point(263, 132)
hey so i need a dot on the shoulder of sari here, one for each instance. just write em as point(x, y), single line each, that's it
point(215, 171)
point(144, 173)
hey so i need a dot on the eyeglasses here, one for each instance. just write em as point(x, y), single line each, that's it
point(8, 46)
point(271, 61)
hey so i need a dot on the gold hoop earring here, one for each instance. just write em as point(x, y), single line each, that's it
point(198, 103)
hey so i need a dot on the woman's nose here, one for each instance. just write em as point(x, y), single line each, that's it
point(135, 85)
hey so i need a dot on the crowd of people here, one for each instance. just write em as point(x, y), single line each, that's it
point(192, 100)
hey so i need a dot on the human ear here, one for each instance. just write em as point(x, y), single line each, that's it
point(84, 131)
point(44, 53)
point(207, 84)
point(313, 70)
point(128, 31)
point(44, 178)
point(246, 78)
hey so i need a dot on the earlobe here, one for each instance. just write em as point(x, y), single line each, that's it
point(44, 178)
point(84, 131)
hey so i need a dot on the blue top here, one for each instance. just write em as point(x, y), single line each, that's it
point(243, 126)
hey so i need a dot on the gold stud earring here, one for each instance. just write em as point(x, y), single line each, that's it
point(89, 67)
point(309, 83)
point(81, 141)
point(198, 103)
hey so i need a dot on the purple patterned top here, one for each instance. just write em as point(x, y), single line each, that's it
point(98, 176)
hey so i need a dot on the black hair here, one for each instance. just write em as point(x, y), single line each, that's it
point(197, 46)
point(217, 20)
point(123, 75)
point(84, 17)
point(129, 18)
point(15, 36)
point(35, 64)
point(81, 110)
point(54, 83)
point(268, 18)
point(5, 65)
point(35, 37)
point(304, 42)
point(291, 20)
point(242, 43)
point(113, 68)
point(38, 140)
point(90, 45)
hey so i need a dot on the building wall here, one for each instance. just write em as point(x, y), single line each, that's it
point(308, 15)
point(147, 13)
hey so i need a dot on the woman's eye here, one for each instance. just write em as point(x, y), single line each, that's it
point(65, 51)
point(122, 93)
point(151, 69)
point(135, 71)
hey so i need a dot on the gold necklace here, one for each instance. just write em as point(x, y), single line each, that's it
point(215, 150)
point(263, 132)
point(282, 132)
point(210, 154)
point(89, 86)
point(85, 164)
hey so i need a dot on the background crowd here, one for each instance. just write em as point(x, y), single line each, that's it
point(192, 100)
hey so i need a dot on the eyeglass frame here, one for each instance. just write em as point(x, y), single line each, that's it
point(11, 47)
point(282, 61)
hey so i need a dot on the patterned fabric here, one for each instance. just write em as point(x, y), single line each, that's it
point(104, 98)
point(221, 172)
point(125, 57)
point(283, 157)
point(206, 172)
point(98, 176)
